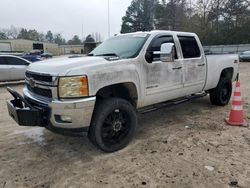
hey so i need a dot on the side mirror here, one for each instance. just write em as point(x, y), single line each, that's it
point(167, 52)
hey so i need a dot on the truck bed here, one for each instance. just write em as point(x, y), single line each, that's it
point(217, 63)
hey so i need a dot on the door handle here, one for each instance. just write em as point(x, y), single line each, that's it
point(201, 65)
point(177, 68)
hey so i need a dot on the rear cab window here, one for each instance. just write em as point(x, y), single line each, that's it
point(190, 47)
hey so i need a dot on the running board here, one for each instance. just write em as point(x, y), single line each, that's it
point(171, 103)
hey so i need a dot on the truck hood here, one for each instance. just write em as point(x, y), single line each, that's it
point(62, 66)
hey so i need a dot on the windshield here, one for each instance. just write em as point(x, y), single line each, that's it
point(124, 46)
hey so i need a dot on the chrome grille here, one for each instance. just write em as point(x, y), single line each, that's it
point(39, 77)
point(40, 91)
point(41, 84)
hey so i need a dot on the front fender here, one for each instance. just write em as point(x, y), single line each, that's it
point(114, 75)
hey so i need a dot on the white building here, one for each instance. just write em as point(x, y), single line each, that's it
point(21, 45)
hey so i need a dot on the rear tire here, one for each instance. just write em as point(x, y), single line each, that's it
point(221, 95)
point(113, 124)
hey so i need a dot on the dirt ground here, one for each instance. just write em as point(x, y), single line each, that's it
point(187, 145)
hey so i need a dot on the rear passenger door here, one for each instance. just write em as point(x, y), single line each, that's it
point(17, 68)
point(193, 63)
point(4, 70)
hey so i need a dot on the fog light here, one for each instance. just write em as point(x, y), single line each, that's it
point(63, 119)
point(66, 119)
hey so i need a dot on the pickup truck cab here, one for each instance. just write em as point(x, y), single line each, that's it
point(101, 93)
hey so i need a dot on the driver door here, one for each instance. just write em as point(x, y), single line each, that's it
point(164, 80)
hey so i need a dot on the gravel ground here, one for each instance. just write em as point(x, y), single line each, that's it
point(187, 145)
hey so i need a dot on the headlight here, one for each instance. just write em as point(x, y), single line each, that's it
point(73, 87)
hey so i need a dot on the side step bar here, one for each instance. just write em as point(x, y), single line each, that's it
point(171, 103)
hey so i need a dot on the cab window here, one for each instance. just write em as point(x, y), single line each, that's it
point(189, 46)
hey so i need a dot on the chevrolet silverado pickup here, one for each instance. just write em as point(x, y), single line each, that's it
point(101, 93)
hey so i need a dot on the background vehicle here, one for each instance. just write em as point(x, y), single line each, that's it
point(102, 92)
point(46, 55)
point(36, 52)
point(12, 68)
point(208, 52)
point(245, 56)
point(32, 58)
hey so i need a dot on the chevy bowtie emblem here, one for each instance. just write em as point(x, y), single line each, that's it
point(32, 82)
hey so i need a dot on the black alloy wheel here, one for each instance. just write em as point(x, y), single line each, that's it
point(113, 124)
point(221, 95)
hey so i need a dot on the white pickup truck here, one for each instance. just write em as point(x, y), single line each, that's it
point(101, 93)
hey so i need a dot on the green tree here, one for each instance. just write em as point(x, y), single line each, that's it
point(139, 16)
point(42, 37)
point(236, 19)
point(28, 34)
point(215, 21)
point(58, 39)
point(3, 36)
point(75, 40)
point(23, 34)
point(49, 36)
point(89, 39)
point(216, 12)
point(171, 15)
point(201, 26)
point(12, 32)
point(33, 35)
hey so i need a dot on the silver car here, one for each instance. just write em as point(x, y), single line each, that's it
point(12, 68)
point(245, 56)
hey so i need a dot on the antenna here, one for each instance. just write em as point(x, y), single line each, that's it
point(82, 33)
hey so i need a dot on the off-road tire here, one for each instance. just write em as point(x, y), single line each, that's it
point(105, 111)
point(221, 95)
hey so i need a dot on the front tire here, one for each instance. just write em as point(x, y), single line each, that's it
point(113, 124)
point(221, 95)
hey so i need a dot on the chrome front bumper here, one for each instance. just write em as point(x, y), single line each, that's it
point(80, 111)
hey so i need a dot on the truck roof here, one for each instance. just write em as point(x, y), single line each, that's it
point(155, 32)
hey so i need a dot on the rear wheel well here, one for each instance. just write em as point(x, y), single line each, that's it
point(125, 91)
point(227, 73)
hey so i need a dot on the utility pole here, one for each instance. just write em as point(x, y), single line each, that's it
point(108, 20)
point(82, 33)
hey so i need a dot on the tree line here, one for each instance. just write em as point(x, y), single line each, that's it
point(32, 34)
point(215, 21)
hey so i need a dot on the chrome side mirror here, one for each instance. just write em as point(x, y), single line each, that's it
point(167, 52)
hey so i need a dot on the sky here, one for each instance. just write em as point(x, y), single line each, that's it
point(68, 17)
